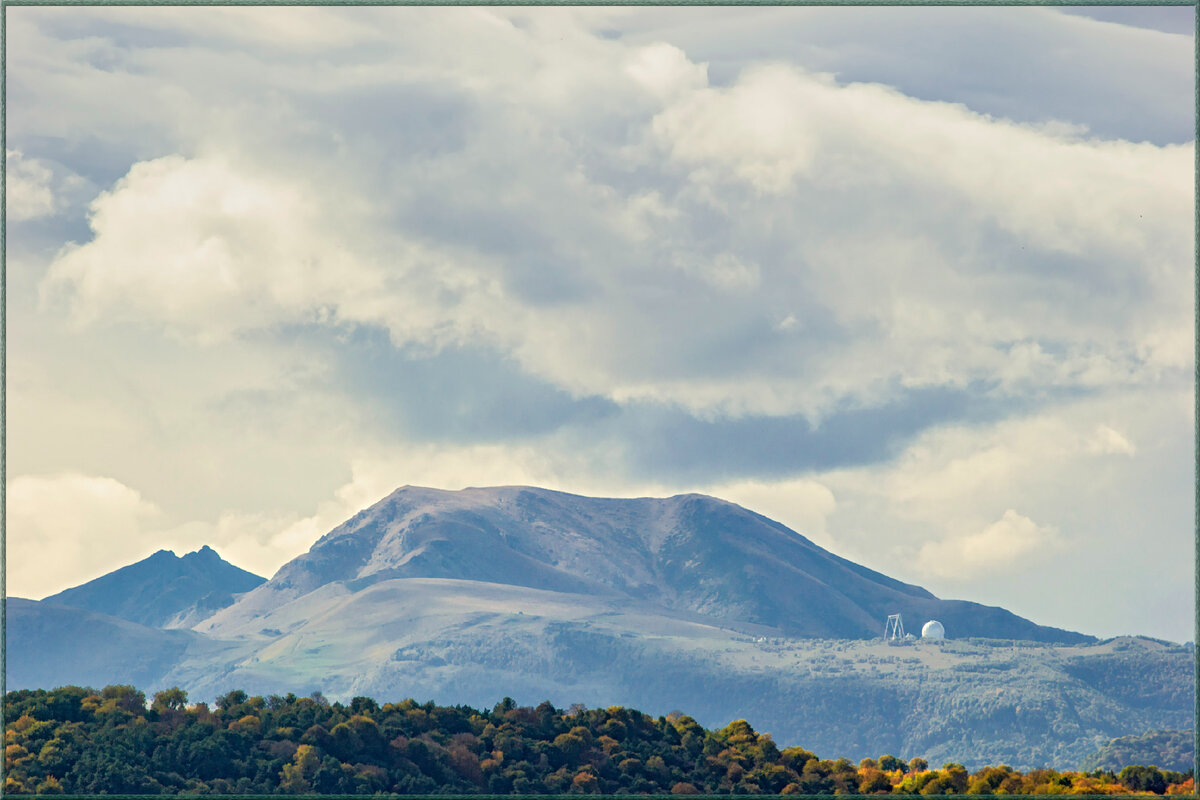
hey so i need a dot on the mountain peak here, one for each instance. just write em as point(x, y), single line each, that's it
point(163, 590)
point(205, 553)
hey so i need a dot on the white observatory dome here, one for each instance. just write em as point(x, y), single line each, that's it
point(933, 630)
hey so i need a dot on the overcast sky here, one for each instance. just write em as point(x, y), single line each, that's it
point(916, 282)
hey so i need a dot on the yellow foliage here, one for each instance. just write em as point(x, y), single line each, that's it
point(608, 744)
point(23, 723)
point(739, 732)
point(49, 786)
point(585, 782)
point(295, 777)
point(583, 733)
point(247, 724)
point(15, 754)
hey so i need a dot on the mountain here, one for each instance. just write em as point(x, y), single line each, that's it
point(163, 590)
point(687, 554)
point(50, 645)
point(688, 603)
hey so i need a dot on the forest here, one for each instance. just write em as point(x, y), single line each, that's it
point(77, 740)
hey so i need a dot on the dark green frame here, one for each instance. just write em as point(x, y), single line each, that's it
point(4, 4)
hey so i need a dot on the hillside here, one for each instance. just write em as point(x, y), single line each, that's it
point(51, 645)
point(163, 590)
point(971, 701)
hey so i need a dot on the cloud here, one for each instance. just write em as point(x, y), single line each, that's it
point(647, 245)
point(1102, 480)
point(82, 525)
point(1000, 546)
point(454, 395)
point(1030, 65)
point(28, 188)
point(761, 130)
point(1180, 20)
point(777, 124)
point(950, 476)
point(206, 248)
point(1107, 441)
point(665, 70)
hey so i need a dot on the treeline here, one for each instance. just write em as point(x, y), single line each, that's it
point(1169, 749)
point(81, 741)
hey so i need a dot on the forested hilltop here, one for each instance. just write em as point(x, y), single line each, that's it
point(82, 741)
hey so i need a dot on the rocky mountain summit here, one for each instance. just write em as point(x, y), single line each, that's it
point(163, 590)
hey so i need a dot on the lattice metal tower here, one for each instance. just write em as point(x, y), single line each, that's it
point(893, 631)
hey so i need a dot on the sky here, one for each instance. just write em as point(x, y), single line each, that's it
point(916, 282)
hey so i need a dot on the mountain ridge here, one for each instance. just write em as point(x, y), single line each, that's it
point(689, 552)
point(163, 590)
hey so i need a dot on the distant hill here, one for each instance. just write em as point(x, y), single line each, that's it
point(1163, 749)
point(51, 645)
point(163, 590)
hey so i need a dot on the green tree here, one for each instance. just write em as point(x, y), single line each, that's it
point(890, 763)
point(173, 699)
point(125, 698)
point(1139, 778)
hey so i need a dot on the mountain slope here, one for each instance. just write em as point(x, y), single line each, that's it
point(688, 553)
point(975, 702)
point(163, 590)
point(51, 645)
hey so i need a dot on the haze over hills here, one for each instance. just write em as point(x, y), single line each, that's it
point(51, 645)
point(163, 590)
point(687, 603)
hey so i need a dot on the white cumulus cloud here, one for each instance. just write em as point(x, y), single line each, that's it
point(205, 247)
point(67, 528)
point(997, 548)
point(29, 193)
